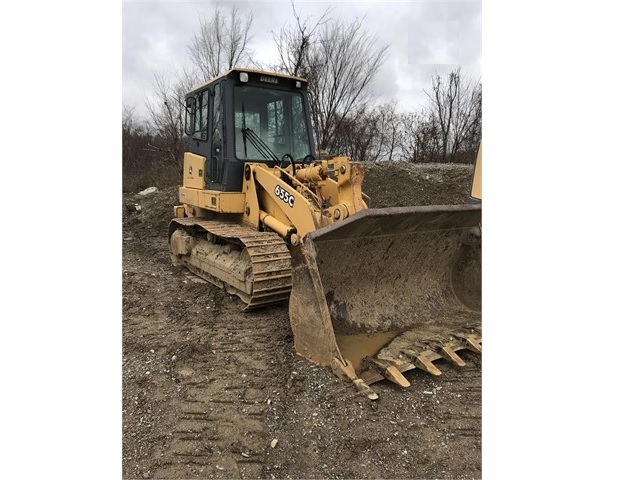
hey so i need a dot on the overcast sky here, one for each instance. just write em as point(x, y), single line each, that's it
point(424, 37)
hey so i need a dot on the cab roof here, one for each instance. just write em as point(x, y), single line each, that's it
point(248, 70)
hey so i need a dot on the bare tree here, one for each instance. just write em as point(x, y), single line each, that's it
point(341, 71)
point(340, 61)
point(456, 108)
point(355, 136)
point(295, 41)
point(419, 139)
point(143, 163)
point(132, 130)
point(222, 42)
point(167, 114)
point(386, 132)
point(372, 135)
point(153, 151)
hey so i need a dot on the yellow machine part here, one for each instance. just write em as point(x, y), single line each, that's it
point(476, 185)
point(389, 290)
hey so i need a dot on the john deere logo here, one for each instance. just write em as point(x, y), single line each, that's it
point(268, 79)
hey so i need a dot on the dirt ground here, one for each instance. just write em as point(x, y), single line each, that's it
point(212, 392)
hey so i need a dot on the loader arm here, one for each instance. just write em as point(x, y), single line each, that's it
point(280, 206)
point(294, 203)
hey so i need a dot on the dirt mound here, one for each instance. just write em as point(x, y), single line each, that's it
point(212, 392)
point(400, 184)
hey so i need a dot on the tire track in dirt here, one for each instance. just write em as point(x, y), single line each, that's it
point(220, 425)
point(197, 373)
point(452, 411)
point(216, 367)
point(327, 430)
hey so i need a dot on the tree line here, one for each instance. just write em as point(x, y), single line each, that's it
point(340, 60)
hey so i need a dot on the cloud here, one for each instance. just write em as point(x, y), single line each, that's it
point(424, 37)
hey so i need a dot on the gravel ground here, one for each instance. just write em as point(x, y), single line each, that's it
point(212, 392)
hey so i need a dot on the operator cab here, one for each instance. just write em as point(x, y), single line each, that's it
point(248, 116)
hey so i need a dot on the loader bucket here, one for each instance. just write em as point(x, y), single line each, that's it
point(389, 290)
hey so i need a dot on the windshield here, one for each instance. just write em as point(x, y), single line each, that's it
point(277, 117)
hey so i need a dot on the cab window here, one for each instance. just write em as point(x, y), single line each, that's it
point(200, 115)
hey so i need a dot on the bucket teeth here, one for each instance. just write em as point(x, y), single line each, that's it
point(362, 387)
point(426, 365)
point(344, 369)
point(471, 342)
point(447, 352)
point(422, 362)
point(392, 373)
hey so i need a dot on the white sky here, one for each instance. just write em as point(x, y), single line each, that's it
point(424, 37)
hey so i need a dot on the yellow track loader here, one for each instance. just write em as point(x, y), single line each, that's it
point(372, 293)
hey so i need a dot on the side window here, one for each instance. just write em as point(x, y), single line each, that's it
point(217, 121)
point(201, 116)
point(300, 128)
point(190, 112)
point(215, 161)
point(275, 122)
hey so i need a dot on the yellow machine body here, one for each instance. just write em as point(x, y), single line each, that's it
point(372, 292)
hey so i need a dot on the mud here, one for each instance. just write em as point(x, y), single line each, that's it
point(212, 392)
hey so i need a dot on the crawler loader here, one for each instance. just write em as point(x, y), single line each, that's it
point(372, 293)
